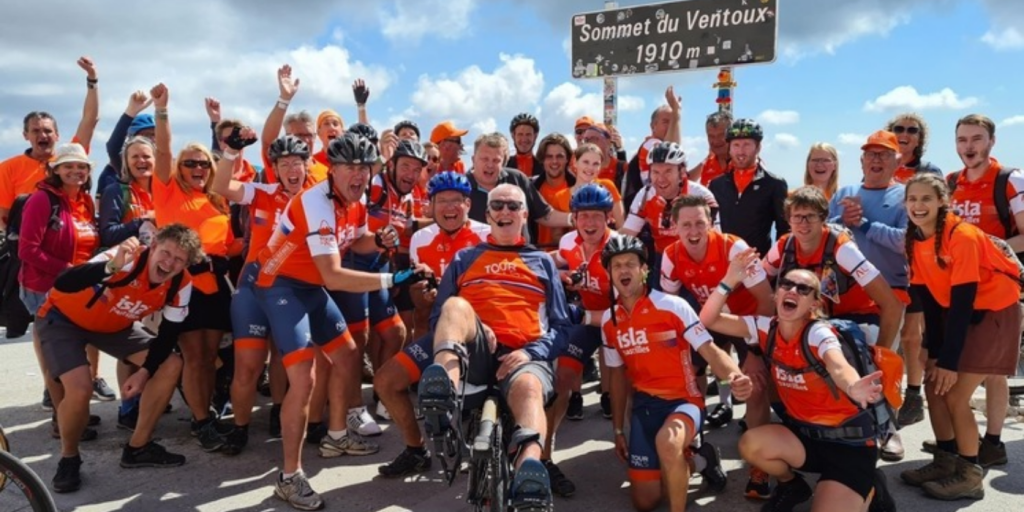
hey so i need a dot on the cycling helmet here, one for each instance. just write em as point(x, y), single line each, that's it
point(667, 153)
point(365, 130)
point(744, 129)
point(407, 124)
point(623, 244)
point(411, 149)
point(524, 118)
point(591, 197)
point(289, 145)
point(351, 149)
point(448, 180)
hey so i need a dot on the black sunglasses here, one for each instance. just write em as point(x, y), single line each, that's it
point(580, 131)
point(497, 205)
point(192, 164)
point(802, 289)
point(912, 130)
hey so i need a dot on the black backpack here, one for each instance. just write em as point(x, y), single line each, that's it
point(998, 198)
point(137, 267)
point(828, 259)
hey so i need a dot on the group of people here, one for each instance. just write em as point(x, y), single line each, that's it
point(513, 273)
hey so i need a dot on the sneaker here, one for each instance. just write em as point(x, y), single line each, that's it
point(759, 485)
point(128, 421)
point(315, 432)
point(235, 440)
point(409, 462)
point(47, 403)
point(720, 416)
point(575, 410)
point(992, 454)
point(437, 401)
point(942, 465)
point(274, 424)
point(209, 437)
point(531, 487)
point(912, 410)
point(93, 420)
point(360, 421)
point(892, 450)
point(881, 501)
point(101, 391)
point(964, 482)
point(559, 482)
point(787, 495)
point(68, 477)
point(606, 405)
point(382, 411)
point(347, 445)
point(150, 456)
point(297, 492)
point(713, 473)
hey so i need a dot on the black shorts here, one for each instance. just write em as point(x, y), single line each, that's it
point(62, 343)
point(852, 466)
point(723, 342)
point(915, 305)
point(210, 311)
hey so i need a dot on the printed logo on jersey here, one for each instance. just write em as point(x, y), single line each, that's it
point(633, 341)
point(132, 309)
point(257, 331)
point(507, 266)
point(790, 380)
point(326, 234)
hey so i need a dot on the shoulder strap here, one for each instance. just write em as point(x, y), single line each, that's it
point(175, 286)
point(769, 346)
point(1002, 203)
point(126, 197)
point(812, 360)
point(951, 181)
point(137, 266)
point(788, 257)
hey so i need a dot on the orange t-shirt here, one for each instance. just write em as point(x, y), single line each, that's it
point(608, 171)
point(711, 169)
point(20, 175)
point(597, 283)
point(87, 237)
point(194, 209)
point(970, 258)
point(524, 163)
point(435, 248)
point(974, 200)
point(547, 236)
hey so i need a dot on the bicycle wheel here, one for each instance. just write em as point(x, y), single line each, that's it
point(498, 470)
point(4, 447)
point(24, 490)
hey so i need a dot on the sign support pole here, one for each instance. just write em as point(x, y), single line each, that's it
point(611, 86)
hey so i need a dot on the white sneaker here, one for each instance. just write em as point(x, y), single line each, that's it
point(298, 493)
point(382, 412)
point(347, 445)
point(360, 422)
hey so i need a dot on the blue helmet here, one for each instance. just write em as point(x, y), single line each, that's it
point(592, 197)
point(448, 180)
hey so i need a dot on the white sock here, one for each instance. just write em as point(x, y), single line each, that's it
point(337, 434)
point(286, 476)
point(725, 394)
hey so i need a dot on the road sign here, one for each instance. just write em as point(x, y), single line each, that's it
point(674, 36)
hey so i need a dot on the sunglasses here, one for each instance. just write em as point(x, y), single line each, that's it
point(580, 131)
point(193, 164)
point(802, 289)
point(912, 130)
point(498, 205)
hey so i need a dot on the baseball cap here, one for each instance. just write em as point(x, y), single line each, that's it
point(445, 130)
point(67, 153)
point(884, 139)
point(325, 114)
point(584, 121)
point(141, 122)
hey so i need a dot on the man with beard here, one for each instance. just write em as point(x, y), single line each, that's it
point(718, 157)
point(554, 151)
point(524, 129)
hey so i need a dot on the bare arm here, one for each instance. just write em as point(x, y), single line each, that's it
point(674, 128)
point(556, 219)
point(232, 190)
point(337, 278)
point(711, 314)
point(287, 87)
point(91, 109)
point(164, 160)
point(362, 94)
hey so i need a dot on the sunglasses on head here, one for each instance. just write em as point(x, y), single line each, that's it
point(192, 164)
point(912, 130)
point(497, 205)
point(802, 289)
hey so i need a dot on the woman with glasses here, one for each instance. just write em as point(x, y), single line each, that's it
point(912, 133)
point(848, 474)
point(182, 192)
point(822, 169)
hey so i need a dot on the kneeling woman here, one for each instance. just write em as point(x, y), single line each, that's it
point(847, 470)
point(969, 289)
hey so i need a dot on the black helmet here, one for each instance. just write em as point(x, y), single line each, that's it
point(622, 244)
point(351, 149)
point(365, 130)
point(289, 145)
point(411, 149)
point(407, 124)
point(524, 118)
point(667, 153)
point(744, 129)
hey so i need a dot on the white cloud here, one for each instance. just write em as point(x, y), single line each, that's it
point(474, 93)
point(1007, 39)
point(852, 139)
point(412, 19)
point(906, 97)
point(786, 140)
point(631, 103)
point(1011, 121)
point(779, 117)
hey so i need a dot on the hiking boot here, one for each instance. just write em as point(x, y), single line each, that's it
point(437, 401)
point(274, 424)
point(575, 410)
point(347, 445)
point(68, 477)
point(559, 482)
point(128, 421)
point(208, 435)
point(892, 450)
point(101, 391)
point(297, 492)
point(236, 439)
point(713, 474)
point(929, 446)
point(606, 405)
point(881, 501)
point(359, 421)
point(315, 432)
point(531, 488)
point(47, 403)
point(409, 462)
point(942, 466)
point(964, 482)
point(759, 485)
point(787, 495)
point(990, 454)
point(720, 416)
point(912, 410)
point(152, 455)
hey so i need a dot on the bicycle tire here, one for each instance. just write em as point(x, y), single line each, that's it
point(499, 480)
point(5, 446)
point(29, 483)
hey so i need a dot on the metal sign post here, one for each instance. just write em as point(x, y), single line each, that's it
point(611, 87)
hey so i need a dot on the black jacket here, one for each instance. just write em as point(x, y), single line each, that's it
point(750, 215)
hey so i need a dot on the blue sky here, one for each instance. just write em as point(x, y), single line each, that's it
point(844, 68)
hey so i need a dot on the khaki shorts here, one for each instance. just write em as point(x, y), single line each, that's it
point(63, 343)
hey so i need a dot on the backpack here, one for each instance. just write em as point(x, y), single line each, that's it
point(137, 267)
point(829, 265)
point(18, 208)
point(1006, 251)
point(872, 424)
point(998, 197)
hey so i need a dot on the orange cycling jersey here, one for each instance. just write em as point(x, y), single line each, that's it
point(653, 343)
point(597, 283)
point(389, 208)
point(710, 169)
point(641, 155)
point(651, 208)
point(678, 269)
point(524, 163)
point(313, 224)
point(806, 396)
point(610, 171)
point(436, 248)
point(266, 202)
point(970, 258)
point(975, 201)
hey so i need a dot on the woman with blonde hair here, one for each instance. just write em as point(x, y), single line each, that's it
point(822, 169)
point(588, 159)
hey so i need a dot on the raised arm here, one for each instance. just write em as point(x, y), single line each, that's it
point(223, 184)
point(164, 160)
point(711, 314)
point(287, 87)
point(674, 133)
point(137, 102)
point(91, 109)
point(362, 95)
point(213, 113)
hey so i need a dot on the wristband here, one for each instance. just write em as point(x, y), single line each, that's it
point(724, 289)
point(282, 104)
point(92, 81)
point(230, 157)
point(109, 268)
point(619, 432)
point(387, 281)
